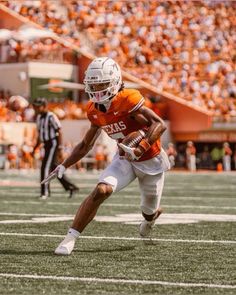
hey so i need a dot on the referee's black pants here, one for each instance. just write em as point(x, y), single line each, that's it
point(49, 163)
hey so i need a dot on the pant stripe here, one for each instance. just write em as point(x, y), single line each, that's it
point(49, 162)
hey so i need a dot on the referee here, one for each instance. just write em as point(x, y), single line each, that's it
point(49, 133)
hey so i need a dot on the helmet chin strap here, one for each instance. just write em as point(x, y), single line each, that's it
point(107, 104)
point(103, 107)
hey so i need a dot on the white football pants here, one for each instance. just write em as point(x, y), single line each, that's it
point(120, 173)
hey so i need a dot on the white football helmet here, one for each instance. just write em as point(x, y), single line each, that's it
point(102, 79)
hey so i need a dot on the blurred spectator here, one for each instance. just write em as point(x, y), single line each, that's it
point(171, 153)
point(37, 157)
point(26, 156)
point(191, 156)
point(12, 156)
point(28, 114)
point(100, 156)
point(227, 153)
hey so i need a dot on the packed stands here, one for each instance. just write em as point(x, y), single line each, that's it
point(187, 46)
point(47, 50)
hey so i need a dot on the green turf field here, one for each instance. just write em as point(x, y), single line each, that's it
point(192, 249)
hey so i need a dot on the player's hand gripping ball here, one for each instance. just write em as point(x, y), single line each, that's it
point(128, 146)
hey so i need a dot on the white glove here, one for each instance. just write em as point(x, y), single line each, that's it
point(60, 170)
point(128, 150)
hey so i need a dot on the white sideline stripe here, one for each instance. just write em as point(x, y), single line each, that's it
point(118, 205)
point(196, 206)
point(115, 281)
point(33, 214)
point(122, 238)
point(82, 195)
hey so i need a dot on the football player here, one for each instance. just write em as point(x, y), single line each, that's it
point(118, 111)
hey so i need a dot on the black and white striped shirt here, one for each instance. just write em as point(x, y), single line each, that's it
point(48, 125)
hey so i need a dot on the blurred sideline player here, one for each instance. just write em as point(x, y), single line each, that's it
point(118, 112)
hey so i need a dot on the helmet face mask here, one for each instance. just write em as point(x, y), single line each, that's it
point(98, 86)
point(102, 79)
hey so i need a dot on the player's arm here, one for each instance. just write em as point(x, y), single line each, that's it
point(82, 148)
point(156, 126)
point(146, 116)
point(59, 137)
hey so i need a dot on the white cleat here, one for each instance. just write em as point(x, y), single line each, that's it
point(66, 246)
point(43, 197)
point(147, 226)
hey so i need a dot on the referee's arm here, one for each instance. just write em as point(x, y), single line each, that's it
point(59, 138)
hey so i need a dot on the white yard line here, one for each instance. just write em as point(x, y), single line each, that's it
point(59, 196)
point(117, 205)
point(121, 238)
point(197, 206)
point(116, 281)
point(128, 218)
point(34, 214)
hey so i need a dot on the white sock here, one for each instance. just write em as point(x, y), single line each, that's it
point(73, 233)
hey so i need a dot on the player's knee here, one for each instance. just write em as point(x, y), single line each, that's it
point(102, 191)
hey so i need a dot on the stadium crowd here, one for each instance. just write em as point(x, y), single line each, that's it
point(187, 46)
point(183, 47)
point(43, 49)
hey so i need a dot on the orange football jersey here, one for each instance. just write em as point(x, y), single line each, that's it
point(117, 123)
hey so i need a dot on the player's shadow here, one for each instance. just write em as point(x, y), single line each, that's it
point(50, 252)
point(149, 242)
point(22, 252)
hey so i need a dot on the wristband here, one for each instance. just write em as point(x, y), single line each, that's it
point(144, 144)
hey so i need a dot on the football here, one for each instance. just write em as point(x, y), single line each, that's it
point(133, 138)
